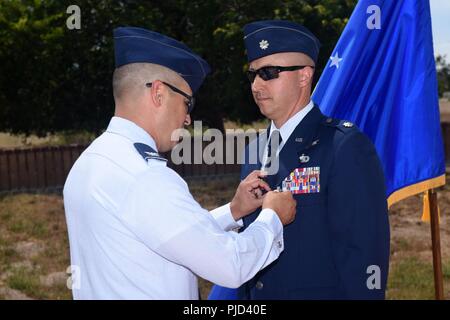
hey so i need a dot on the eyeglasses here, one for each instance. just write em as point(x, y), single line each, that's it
point(271, 72)
point(190, 99)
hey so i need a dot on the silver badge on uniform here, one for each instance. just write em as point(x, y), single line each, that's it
point(303, 158)
point(347, 124)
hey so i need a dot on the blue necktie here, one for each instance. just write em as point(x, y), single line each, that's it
point(275, 136)
point(272, 148)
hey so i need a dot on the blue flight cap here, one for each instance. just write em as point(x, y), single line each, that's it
point(133, 45)
point(263, 38)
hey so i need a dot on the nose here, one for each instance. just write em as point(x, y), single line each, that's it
point(187, 120)
point(257, 84)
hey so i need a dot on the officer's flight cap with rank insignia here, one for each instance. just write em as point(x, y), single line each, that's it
point(132, 45)
point(263, 38)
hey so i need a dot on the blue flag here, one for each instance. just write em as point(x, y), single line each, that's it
point(382, 76)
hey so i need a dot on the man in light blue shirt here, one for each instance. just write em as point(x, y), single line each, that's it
point(135, 230)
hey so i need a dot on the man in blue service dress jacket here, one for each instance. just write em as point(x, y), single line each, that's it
point(338, 248)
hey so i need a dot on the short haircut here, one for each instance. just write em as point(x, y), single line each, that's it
point(129, 80)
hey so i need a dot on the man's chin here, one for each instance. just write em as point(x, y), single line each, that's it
point(265, 110)
point(173, 144)
point(170, 146)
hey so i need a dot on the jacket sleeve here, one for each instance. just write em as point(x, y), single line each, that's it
point(358, 217)
point(162, 214)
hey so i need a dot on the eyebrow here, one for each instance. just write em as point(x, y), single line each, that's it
point(266, 65)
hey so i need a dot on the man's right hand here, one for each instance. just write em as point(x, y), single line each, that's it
point(282, 203)
point(249, 195)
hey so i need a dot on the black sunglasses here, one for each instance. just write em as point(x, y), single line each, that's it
point(190, 99)
point(271, 72)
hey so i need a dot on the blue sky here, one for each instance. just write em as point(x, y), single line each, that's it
point(440, 19)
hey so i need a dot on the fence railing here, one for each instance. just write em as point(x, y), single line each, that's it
point(40, 168)
point(46, 168)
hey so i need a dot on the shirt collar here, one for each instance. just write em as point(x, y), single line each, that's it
point(289, 126)
point(131, 131)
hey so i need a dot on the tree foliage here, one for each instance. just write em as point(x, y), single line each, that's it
point(443, 74)
point(56, 79)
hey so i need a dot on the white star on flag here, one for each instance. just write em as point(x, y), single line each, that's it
point(335, 60)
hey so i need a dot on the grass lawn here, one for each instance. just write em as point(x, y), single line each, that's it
point(34, 246)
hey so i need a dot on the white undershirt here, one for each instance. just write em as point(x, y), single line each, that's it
point(288, 127)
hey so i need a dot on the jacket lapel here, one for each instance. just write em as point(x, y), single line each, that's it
point(259, 147)
point(301, 138)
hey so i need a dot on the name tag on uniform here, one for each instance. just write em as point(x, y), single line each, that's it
point(302, 180)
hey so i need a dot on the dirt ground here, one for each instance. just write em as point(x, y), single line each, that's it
point(411, 240)
point(405, 220)
point(34, 252)
point(444, 106)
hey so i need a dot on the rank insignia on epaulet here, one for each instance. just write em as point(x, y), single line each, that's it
point(154, 155)
point(347, 124)
point(148, 153)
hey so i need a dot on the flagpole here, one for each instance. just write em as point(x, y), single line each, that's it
point(436, 245)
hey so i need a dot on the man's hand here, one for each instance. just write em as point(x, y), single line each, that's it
point(249, 195)
point(282, 203)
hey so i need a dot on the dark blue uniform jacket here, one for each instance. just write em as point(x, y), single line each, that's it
point(338, 245)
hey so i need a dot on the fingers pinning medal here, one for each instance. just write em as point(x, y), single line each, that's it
point(257, 193)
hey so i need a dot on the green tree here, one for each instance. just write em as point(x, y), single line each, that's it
point(220, 38)
point(56, 79)
point(443, 75)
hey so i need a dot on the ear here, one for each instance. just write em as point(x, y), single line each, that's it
point(157, 93)
point(306, 76)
